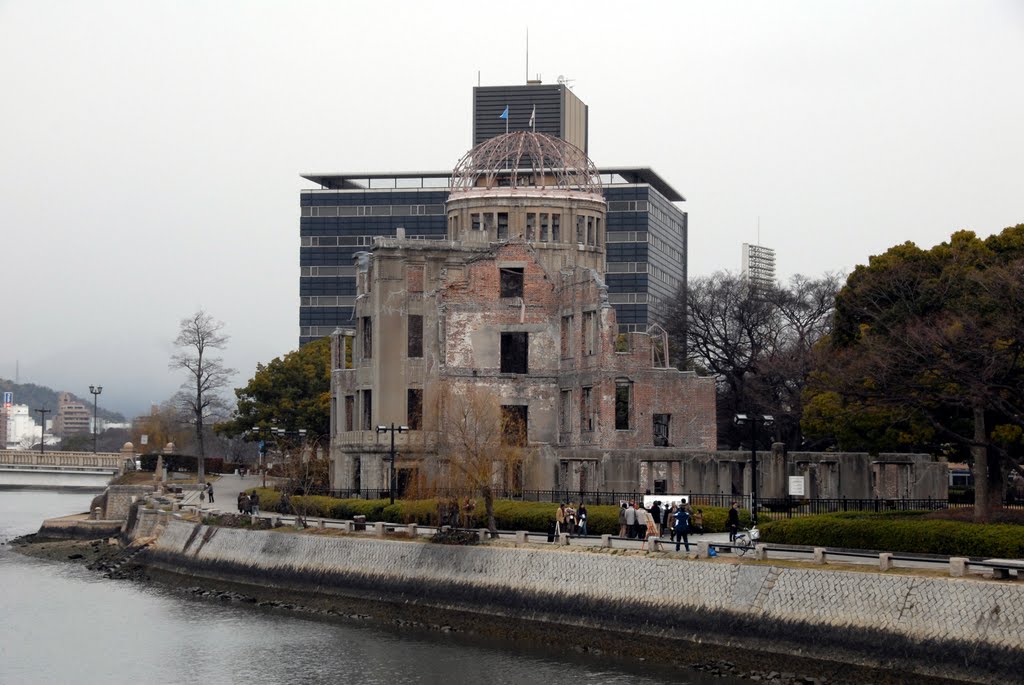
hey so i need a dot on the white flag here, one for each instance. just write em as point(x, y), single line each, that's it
point(533, 117)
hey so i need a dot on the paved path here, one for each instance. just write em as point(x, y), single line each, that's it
point(225, 492)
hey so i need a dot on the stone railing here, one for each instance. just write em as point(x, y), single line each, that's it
point(104, 460)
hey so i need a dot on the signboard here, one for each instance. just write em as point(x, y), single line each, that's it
point(797, 486)
point(144, 440)
point(8, 399)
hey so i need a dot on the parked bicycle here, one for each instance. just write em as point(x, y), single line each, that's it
point(746, 540)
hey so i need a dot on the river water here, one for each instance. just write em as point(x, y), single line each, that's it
point(61, 623)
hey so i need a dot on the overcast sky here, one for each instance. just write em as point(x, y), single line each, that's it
point(151, 152)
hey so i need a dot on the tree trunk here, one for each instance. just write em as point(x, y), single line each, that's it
point(492, 525)
point(979, 451)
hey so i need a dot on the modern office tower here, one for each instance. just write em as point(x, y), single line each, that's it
point(646, 254)
point(758, 265)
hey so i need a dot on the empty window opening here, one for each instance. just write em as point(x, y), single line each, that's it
point(567, 337)
point(661, 422)
point(623, 400)
point(367, 423)
point(367, 327)
point(531, 226)
point(555, 221)
point(591, 233)
point(414, 408)
point(488, 219)
point(511, 282)
point(514, 424)
point(415, 323)
point(514, 353)
point(581, 230)
point(589, 333)
point(586, 409)
point(475, 221)
point(565, 416)
point(350, 412)
point(502, 225)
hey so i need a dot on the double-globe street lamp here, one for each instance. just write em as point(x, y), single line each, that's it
point(753, 419)
point(391, 477)
point(95, 390)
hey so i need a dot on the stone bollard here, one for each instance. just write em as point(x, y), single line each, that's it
point(483, 534)
point(819, 555)
point(760, 552)
point(96, 514)
point(958, 566)
point(445, 529)
point(253, 519)
point(175, 506)
point(563, 539)
point(606, 540)
point(885, 561)
point(521, 537)
point(703, 549)
point(321, 524)
point(348, 526)
point(379, 529)
point(275, 521)
point(412, 530)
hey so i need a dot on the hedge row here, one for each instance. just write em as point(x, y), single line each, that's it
point(181, 462)
point(903, 532)
point(509, 515)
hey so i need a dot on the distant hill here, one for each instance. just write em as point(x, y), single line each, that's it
point(41, 397)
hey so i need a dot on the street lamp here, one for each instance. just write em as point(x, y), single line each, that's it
point(42, 431)
point(95, 390)
point(753, 420)
point(393, 429)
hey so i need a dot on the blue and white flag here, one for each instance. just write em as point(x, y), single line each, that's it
point(533, 119)
point(504, 115)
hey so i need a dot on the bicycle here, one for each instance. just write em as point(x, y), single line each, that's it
point(746, 540)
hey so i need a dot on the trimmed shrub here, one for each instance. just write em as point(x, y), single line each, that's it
point(905, 532)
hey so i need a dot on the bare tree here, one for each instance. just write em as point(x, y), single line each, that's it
point(198, 398)
point(480, 441)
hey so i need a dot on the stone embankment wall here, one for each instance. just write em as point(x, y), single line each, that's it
point(956, 628)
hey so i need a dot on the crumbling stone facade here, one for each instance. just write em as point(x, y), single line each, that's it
point(513, 303)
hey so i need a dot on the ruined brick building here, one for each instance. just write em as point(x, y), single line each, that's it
point(513, 302)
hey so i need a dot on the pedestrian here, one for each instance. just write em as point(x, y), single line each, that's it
point(570, 519)
point(240, 496)
point(286, 504)
point(698, 522)
point(246, 504)
point(560, 520)
point(680, 526)
point(733, 522)
point(581, 514)
point(622, 520)
point(209, 492)
point(656, 517)
point(631, 520)
point(641, 521)
point(254, 502)
point(666, 517)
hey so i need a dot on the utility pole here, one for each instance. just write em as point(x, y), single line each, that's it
point(95, 390)
point(391, 476)
point(42, 430)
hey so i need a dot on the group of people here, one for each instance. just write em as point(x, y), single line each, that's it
point(248, 504)
point(570, 519)
point(637, 522)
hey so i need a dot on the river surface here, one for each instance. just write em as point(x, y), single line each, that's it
point(62, 623)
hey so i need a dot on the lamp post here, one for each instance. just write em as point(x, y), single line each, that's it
point(95, 390)
point(391, 477)
point(753, 420)
point(42, 431)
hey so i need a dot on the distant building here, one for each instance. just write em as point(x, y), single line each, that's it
point(758, 265)
point(72, 416)
point(17, 427)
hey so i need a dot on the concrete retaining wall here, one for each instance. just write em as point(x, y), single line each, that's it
point(78, 528)
point(957, 628)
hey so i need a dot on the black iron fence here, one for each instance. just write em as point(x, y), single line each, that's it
point(771, 507)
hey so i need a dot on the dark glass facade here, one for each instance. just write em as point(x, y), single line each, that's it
point(646, 245)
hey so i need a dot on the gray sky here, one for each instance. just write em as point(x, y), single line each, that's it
point(151, 151)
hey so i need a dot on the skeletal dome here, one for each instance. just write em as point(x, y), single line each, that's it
point(525, 159)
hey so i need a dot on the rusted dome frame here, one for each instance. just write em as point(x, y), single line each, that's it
point(528, 160)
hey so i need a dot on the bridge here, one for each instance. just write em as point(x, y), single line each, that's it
point(61, 470)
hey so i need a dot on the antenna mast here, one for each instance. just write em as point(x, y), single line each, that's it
point(527, 54)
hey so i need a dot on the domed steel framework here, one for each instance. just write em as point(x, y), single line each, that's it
point(524, 159)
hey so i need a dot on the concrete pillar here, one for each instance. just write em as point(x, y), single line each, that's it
point(819, 555)
point(521, 537)
point(606, 540)
point(703, 547)
point(958, 566)
point(253, 519)
point(348, 526)
point(760, 552)
point(321, 524)
point(563, 539)
point(96, 514)
point(411, 530)
point(885, 561)
point(379, 529)
point(483, 535)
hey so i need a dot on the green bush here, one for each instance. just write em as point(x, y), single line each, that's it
point(904, 532)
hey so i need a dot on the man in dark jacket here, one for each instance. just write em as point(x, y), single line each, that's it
point(733, 522)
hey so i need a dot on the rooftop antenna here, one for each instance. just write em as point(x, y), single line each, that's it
point(758, 229)
point(477, 78)
point(527, 54)
point(563, 81)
